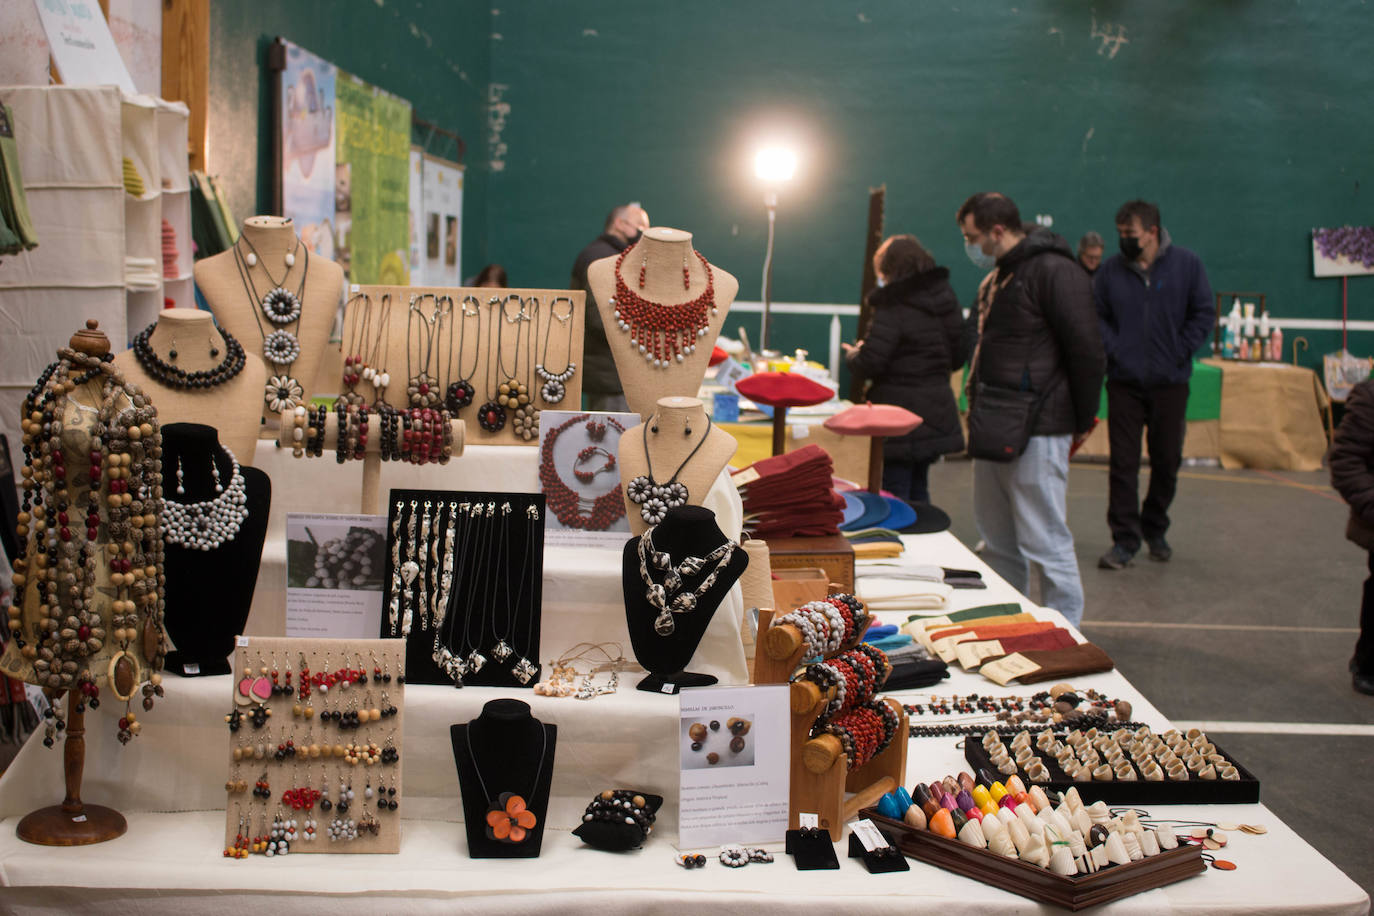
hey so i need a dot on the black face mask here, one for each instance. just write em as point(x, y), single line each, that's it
point(1130, 247)
point(639, 233)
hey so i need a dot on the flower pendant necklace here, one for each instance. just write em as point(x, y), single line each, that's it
point(491, 415)
point(422, 389)
point(509, 819)
point(653, 498)
point(461, 391)
point(281, 348)
point(555, 386)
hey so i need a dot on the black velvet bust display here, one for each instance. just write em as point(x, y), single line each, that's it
point(506, 741)
point(209, 592)
point(685, 531)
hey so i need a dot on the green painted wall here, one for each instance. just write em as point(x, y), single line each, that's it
point(1244, 120)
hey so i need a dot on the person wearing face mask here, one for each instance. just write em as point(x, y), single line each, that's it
point(907, 357)
point(601, 386)
point(1155, 307)
point(1037, 335)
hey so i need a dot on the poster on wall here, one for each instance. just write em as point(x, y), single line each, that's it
point(307, 137)
point(371, 183)
point(443, 214)
point(82, 48)
point(1343, 251)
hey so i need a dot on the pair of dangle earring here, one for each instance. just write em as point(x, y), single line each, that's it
point(181, 477)
point(172, 351)
point(644, 267)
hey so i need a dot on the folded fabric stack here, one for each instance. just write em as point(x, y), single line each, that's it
point(169, 251)
point(1006, 643)
point(141, 275)
point(16, 227)
point(790, 495)
point(133, 181)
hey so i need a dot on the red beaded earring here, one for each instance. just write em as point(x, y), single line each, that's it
point(643, 266)
point(686, 276)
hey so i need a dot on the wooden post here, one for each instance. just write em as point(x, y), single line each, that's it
point(72, 823)
point(186, 67)
point(875, 465)
point(779, 430)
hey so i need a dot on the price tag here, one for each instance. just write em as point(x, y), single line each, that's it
point(669, 688)
point(806, 819)
point(191, 668)
point(242, 641)
point(1005, 669)
point(869, 835)
point(745, 477)
point(79, 819)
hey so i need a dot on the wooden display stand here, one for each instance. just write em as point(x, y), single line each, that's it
point(369, 504)
point(821, 781)
point(563, 345)
point(72, 823)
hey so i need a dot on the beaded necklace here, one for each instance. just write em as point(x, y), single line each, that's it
point(526, 419)
point(572, 509)
point(281, 348)
point(664, 334)
point(211, 523)
point(460, 391)
point(555, 386)
point(422, 389)
point(165, 373)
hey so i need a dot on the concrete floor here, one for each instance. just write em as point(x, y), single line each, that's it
point(1252, 621)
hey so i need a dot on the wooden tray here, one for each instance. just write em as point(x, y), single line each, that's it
point(1140, 791)
point(1025, 880)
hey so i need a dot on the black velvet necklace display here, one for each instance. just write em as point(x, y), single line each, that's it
point(504, 750)
point(687, 531)
point(464, 584)
point(209, 592)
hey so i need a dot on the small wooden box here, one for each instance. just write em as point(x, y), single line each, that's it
point(794, 587)
point(831, 553)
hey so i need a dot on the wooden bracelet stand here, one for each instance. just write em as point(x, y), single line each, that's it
point(821, 781)
point(72, 823)
point(372, 457)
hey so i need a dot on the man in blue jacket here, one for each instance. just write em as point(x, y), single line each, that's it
point(1155, 309)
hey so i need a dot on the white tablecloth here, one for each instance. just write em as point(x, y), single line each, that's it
point(170, 860)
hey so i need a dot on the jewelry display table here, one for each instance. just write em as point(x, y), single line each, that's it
point(169, 783)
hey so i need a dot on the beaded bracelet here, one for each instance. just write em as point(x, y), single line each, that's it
point(447, 419)
point(621, 806)
point(804, 621)
point(835, 623)
point(891, 722)
point(341, 443)
point(298, 420)
point(361, 448)
point(315, 446)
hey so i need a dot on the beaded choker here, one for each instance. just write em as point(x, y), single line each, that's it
point(212, 523)
point(669, 597)
point(164, 373)
point(664, 334)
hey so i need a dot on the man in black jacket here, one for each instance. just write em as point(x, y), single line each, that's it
point(1037, 332)
point(600, 381)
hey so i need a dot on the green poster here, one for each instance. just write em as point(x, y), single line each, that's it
point(371, 183)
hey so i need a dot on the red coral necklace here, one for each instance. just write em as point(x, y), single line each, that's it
point(664, 334)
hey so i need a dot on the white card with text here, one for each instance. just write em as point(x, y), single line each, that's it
point(734, 759)
point(334, 569)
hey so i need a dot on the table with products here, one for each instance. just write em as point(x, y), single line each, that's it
point(170, 785)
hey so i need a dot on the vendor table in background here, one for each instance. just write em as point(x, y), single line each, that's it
point(1271, 416)
point(850, 453)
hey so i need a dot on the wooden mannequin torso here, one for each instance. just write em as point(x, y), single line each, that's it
point(661, 252)
point(669, 448)
point(222, 284)
point(233, 408)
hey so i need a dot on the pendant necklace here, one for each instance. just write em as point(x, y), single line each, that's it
point(281, 348)
point(555, 385)
point(422, 389)
point(360, 365)
point(394, 606)
point(359, 319)
point(669, 597)
point(664, 334)
point(509, 819)
point(211, 523)
point(282, 296)
point(512, 395)
point(572, 509)
point(422, 575)
point(653, 498)
point(435, 572)
point(373, 370)
point(491, 416)
point(524, 670)
point(526, 421)
point(475, 659)
point(164, 373)
point(460, 391)
point(443, 360)
point(451, 663)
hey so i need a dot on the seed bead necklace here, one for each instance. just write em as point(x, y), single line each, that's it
point(171, 376)
point(212, 523)
point(664, 334)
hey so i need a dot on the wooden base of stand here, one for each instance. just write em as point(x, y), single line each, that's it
point(56, 826)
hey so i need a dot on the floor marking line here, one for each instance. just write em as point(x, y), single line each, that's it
point(1221, 477)
point(1351, 729)
point(1324, 492)
point(1164, 625)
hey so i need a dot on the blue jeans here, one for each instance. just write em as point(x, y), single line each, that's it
point(908, 480)
point(1021, 511)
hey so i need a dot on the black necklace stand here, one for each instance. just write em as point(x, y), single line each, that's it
point(685, 531)
point(506, 742)
point(209, 592)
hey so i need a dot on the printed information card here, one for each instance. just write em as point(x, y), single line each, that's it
point(334, 570)
point(734, 759)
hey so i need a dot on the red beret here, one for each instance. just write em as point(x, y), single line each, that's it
point(783, 389)
point(873, 420)
point(718, 356)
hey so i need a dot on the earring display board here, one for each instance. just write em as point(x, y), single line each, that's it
point(464, 582)
point(578, 475)
point(314, 747)
point(495, 357)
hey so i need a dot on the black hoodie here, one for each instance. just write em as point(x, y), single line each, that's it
point(1042, 332)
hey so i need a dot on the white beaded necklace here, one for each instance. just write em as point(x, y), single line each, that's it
point(212, 523)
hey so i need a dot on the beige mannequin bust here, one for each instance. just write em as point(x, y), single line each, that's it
point(661, 253)
point(232, 408)
point(269, 239)
point(669, 445)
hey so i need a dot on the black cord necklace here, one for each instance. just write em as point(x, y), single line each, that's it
point(165, 373)
point(460, 391)
point(280, 348)
point(422, 389)
point(509, 819)
point(555, 386)
point(653, 498)
point(491, 416)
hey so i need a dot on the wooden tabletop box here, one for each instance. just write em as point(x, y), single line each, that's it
point(830, 553)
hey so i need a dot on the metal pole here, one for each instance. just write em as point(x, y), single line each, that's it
point(770, 200)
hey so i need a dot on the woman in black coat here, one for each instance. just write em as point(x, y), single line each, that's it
point(1352, 474)
point(907, 357)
